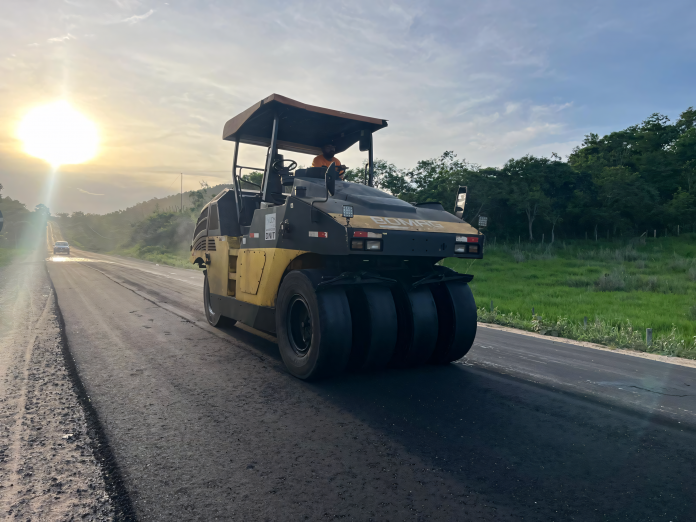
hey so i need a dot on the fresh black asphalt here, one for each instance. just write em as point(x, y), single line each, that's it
point(207, 425)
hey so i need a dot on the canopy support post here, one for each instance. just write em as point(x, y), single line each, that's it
point(269, 160)
point(371, 176)
point(235, 180)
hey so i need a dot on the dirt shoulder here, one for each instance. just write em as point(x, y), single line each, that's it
point(48, 467)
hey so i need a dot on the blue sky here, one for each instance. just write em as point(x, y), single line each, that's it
point(490, 80)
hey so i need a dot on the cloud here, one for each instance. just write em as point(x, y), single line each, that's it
point(33, 45)
point(89, 193)
point(126, 4)
point(61, 38)
point(137, 18)
point(489, 80)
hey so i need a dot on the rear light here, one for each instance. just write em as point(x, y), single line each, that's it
point(369, 235)
point(467, 239)
point(374, 245)
point(357, 244)
point(473, 249)
point(459, 249)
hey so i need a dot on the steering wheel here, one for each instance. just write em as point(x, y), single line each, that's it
point(292, 165)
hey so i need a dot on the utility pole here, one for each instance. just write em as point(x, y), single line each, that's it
point(182, 192)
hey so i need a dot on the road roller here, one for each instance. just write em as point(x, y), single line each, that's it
point(345, 276)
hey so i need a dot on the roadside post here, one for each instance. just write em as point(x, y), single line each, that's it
point(648, 336)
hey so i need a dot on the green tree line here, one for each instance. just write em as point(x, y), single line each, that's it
point(22, 228)
point(625, 183)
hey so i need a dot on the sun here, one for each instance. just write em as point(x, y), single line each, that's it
point(58, 134)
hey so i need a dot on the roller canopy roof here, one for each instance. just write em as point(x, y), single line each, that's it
point(302, 128)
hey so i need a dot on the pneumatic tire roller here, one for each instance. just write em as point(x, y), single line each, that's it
point(344, 275)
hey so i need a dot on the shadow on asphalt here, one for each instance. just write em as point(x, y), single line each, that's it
point(545, 454)
point(536, 450)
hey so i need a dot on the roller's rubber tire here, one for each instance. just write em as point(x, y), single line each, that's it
point(456, 312)
point(375, 326)
point(313, 328)
point(417, 325)
point(214, 319)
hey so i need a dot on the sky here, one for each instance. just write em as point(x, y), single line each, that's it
point(488, 80)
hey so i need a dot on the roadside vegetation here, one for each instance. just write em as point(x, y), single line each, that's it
point(8, 254)
point(155, 230)
point(638, 181)
point(23, 229)
point(622, 288)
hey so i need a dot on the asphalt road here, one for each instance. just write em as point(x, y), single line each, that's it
point(206, 424)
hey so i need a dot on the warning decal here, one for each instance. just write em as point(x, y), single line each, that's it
point(270, 227)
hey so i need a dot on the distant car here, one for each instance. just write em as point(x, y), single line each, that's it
point(61, 247)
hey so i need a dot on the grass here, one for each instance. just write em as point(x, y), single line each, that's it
point(622, 288)
point(159, 256)
point(7, 254)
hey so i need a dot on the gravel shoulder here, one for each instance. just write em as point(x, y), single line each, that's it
point(48, 467)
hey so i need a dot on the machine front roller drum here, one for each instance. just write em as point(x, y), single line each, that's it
point(456, 312)
point(313, 328)
point(214, 319)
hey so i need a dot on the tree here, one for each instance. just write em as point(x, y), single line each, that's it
point(254, 179)
point(524, 179)
point(386, 177)
point(199, 197)
point(42, 211)
point(437, 179)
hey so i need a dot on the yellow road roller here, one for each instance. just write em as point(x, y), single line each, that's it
point(346, 276)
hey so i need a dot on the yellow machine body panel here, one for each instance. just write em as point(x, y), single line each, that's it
point(259, 273)
point(250, 267)
point(249, 275)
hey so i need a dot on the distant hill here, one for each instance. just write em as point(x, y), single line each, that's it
point(162, 218)
point(166, 204)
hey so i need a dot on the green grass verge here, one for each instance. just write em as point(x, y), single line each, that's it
point(621, 288)
point(8, 254)
point(158, 255)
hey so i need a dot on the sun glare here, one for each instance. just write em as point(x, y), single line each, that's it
point(58, 134)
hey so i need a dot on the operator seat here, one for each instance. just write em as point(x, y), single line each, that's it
point(312, 172)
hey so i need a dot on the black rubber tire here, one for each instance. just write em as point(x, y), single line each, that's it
point(456, 312)
point(417, 325)
point(313, 328)
point(214, 319)
point(375, 325)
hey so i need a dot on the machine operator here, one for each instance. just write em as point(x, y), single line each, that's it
point(327, 157)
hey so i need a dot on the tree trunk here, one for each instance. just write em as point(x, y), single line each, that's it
point(553, 225)
point(531, 214)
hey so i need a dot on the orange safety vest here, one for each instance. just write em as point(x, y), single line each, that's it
point(321, 161)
